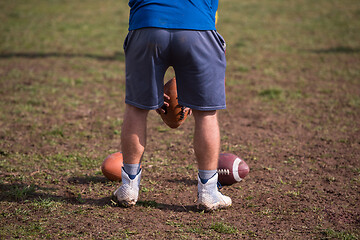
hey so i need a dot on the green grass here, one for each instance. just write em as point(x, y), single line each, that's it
point(20, 192)
point(221, 227)
point(333, 234)
point(148, 204)
point(69, 27)
point(47, 204)
point(271, 94)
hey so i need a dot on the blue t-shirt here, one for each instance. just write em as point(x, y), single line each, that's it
point(173, 14)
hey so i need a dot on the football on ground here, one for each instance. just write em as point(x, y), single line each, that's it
point(174, 114)
point(111, 166)
point(231, 169)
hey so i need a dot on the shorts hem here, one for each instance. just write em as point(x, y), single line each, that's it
point(203, 108)
point(143, 106)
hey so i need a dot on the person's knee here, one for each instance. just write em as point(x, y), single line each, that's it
point(201, 114)
point(135, 111)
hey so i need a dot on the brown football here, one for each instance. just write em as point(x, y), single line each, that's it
point(111, 166)
point(175, 114)
point(231, 169)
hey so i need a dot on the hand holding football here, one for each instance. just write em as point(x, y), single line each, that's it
point(174, 114)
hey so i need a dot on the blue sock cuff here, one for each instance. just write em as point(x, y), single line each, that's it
point(132, 170)
point(205, 175)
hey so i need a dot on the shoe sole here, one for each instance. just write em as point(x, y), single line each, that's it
point(124, 203)
point(127, 204)
point(203, 207)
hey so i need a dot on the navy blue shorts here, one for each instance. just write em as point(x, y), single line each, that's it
point(198, 59)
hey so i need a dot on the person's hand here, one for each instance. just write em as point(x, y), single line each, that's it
point(166, 104)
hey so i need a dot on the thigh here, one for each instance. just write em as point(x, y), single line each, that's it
point(146, 57)
point(199, 61)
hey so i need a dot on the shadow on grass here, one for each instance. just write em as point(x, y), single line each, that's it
point(117, 56)
point(19, 192)
point(168, 207)
point(338, 49)
point(87, 180)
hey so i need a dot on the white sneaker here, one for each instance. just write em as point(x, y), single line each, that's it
point(127, 194)
point(209, 197)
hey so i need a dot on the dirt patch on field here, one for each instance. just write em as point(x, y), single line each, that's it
point(59, 123)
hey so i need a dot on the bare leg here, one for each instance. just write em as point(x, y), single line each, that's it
point(207, 148)
point(133, 141)
point(133, 134)
point(206, 139)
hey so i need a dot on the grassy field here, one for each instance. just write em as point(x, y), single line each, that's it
point(293, 114)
